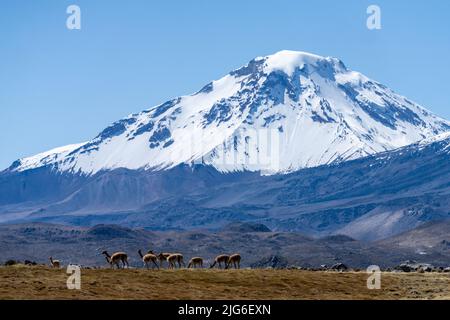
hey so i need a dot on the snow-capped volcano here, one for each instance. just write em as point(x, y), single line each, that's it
point(277, 114)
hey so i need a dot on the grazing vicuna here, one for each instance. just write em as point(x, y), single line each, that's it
point(234, 259)
point(175, 258)
point(147, 258)
point(162, 257)
point(223, 258)
point(55, 263)
point(116, 258)
point(195, 262)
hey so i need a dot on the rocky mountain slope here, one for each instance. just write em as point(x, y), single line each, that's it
point(369, 198)
point(344, 155)
point(279, 113)
point(259, 248)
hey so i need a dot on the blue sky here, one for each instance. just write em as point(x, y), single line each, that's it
point(60, 86)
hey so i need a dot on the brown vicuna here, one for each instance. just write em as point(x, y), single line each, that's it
point(149, 257)
point(174, 259)
point(55, 263)
point(234, 259)
point(162, 257)
point(195, 262)
point(116, 258)
point(223, 258)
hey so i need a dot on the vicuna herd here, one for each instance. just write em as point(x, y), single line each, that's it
point(173, 260)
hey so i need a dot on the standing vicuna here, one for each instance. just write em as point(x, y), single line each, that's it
point(147, 258)
point(116, 258)
point(175, 258)
point(55, 263)
point(234, 259)
point(223, 258)
point(195, 262)
point(162, 257)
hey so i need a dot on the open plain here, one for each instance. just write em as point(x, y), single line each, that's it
point(38, 282)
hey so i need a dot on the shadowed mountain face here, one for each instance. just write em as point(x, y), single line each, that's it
point(368, 199)
point(338, 170)
point(77, 245)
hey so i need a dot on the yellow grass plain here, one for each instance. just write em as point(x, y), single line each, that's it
point(23, 282)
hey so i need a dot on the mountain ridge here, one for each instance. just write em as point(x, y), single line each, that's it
point(358, 159)
point(369, 198)
point(81, 245)
point(277, 114)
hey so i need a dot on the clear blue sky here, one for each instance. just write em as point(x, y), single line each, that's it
point(59, 86)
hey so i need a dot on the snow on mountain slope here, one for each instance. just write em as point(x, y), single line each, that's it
point(277, 114)
point(49, 157)
point(443, 137)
